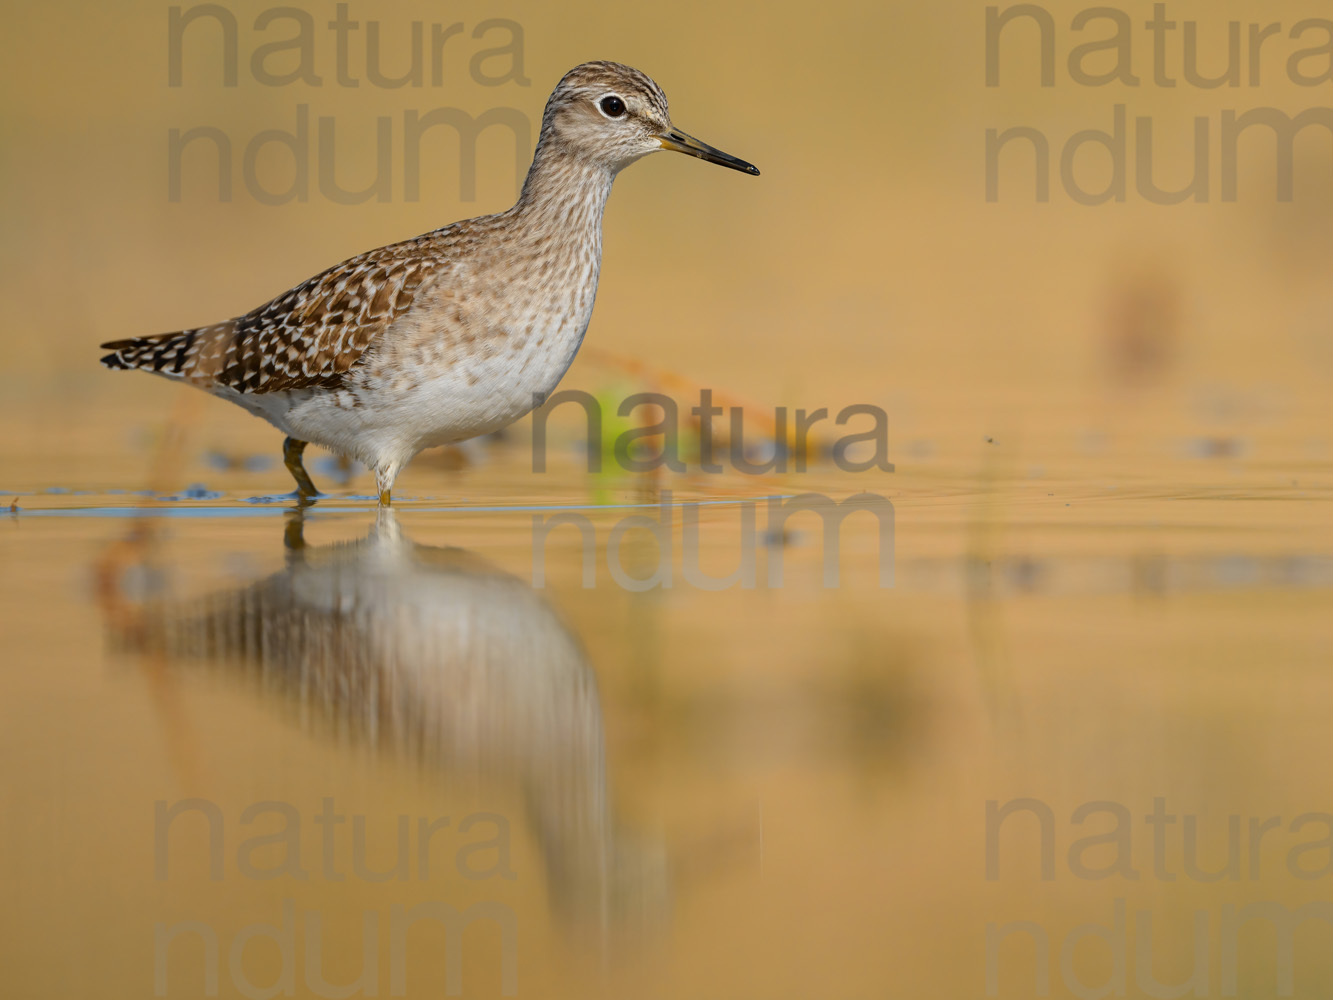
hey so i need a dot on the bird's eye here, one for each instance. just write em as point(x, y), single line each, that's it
point(613, 106)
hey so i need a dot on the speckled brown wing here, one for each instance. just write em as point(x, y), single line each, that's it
point(313, 335)
point(308, 337)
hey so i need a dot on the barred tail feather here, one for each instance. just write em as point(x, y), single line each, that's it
point(166, 353)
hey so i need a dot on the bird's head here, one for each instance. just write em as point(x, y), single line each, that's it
point(613, 114)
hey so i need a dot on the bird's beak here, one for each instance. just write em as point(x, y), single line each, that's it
point(675, 139)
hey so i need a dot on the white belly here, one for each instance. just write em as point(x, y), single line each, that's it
point(383, 418)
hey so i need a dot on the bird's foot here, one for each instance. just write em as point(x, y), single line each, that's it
point(292, 452)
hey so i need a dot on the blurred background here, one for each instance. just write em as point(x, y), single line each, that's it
point(1110, 427)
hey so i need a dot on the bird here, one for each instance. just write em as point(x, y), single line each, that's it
point(452, 334)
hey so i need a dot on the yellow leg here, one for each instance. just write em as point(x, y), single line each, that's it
point(292, 450)
point(384, 477)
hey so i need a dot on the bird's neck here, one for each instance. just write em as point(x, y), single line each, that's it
point(565, 192)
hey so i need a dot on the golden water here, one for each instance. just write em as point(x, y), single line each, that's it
point(769, 791)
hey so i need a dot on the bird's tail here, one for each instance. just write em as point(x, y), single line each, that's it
point(166, 353)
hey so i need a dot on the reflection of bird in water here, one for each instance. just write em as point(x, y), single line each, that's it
point(445, 660)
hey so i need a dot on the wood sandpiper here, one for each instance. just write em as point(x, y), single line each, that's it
point(450, 335)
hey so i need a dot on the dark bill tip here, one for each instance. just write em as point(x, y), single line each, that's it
point(688, 144)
